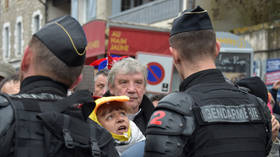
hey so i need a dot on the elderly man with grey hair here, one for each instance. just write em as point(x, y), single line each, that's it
point(129, 77)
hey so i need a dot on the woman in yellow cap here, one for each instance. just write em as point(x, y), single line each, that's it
point(110, 112)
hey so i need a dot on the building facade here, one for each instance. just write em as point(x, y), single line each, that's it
point(19, 19)
point(247, 14)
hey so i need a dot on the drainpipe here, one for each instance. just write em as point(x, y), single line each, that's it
point(46, 9)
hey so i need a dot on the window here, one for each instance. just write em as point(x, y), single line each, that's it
point(235, 66)
point(36, 21)
point(18, 38)
point(90, 10)
point(128, 4)
point(122, 5)
point(6, 41)
point(74, 9)
point(137, 3)
point(125, 5)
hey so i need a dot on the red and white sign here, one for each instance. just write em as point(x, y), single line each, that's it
point(160, 71)
point(128, 41)
point(156, 73)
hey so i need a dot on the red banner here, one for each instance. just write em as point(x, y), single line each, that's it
point(128, 41)
point(95, 33)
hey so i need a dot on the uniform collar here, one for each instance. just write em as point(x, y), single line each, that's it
point(205, 76)
point(42, 84)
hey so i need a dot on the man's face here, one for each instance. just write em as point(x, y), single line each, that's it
point(100, 85)
point(114, 120)
point(11, 87)
point(131, 85)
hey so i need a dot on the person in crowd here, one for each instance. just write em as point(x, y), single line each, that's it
point(38, 122)
point(10, 85)
point(110, 112)
point(129, 77)
point(100, 82)
point(271, 102)
point(208, 116)
point(255, 86)
point(274, 91)
point(6, 70)
point(156, 98)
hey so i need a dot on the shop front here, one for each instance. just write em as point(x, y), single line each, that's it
point(235, 58)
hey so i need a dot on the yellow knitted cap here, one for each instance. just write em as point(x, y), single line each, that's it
point(99, 102)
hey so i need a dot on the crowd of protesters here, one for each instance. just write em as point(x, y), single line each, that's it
point(209, 116)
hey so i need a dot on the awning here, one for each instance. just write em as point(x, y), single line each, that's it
point(125, 39)
point(95, 33)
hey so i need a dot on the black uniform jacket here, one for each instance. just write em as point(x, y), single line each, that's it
point(206, 76)
point(34, 84)
point(209, 117)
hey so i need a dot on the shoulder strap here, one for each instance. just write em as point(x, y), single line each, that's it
point(56, 105)
point(78, 97)
point(77, 133)
point(95, 150)
point(103, 138)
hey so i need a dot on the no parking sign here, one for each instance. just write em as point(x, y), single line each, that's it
point(160, 70)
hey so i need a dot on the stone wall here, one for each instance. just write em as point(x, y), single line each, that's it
point(265, 40)
point(230, 14)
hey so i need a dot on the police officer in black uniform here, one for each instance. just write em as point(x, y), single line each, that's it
point(208, 117)
point(41, 119)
